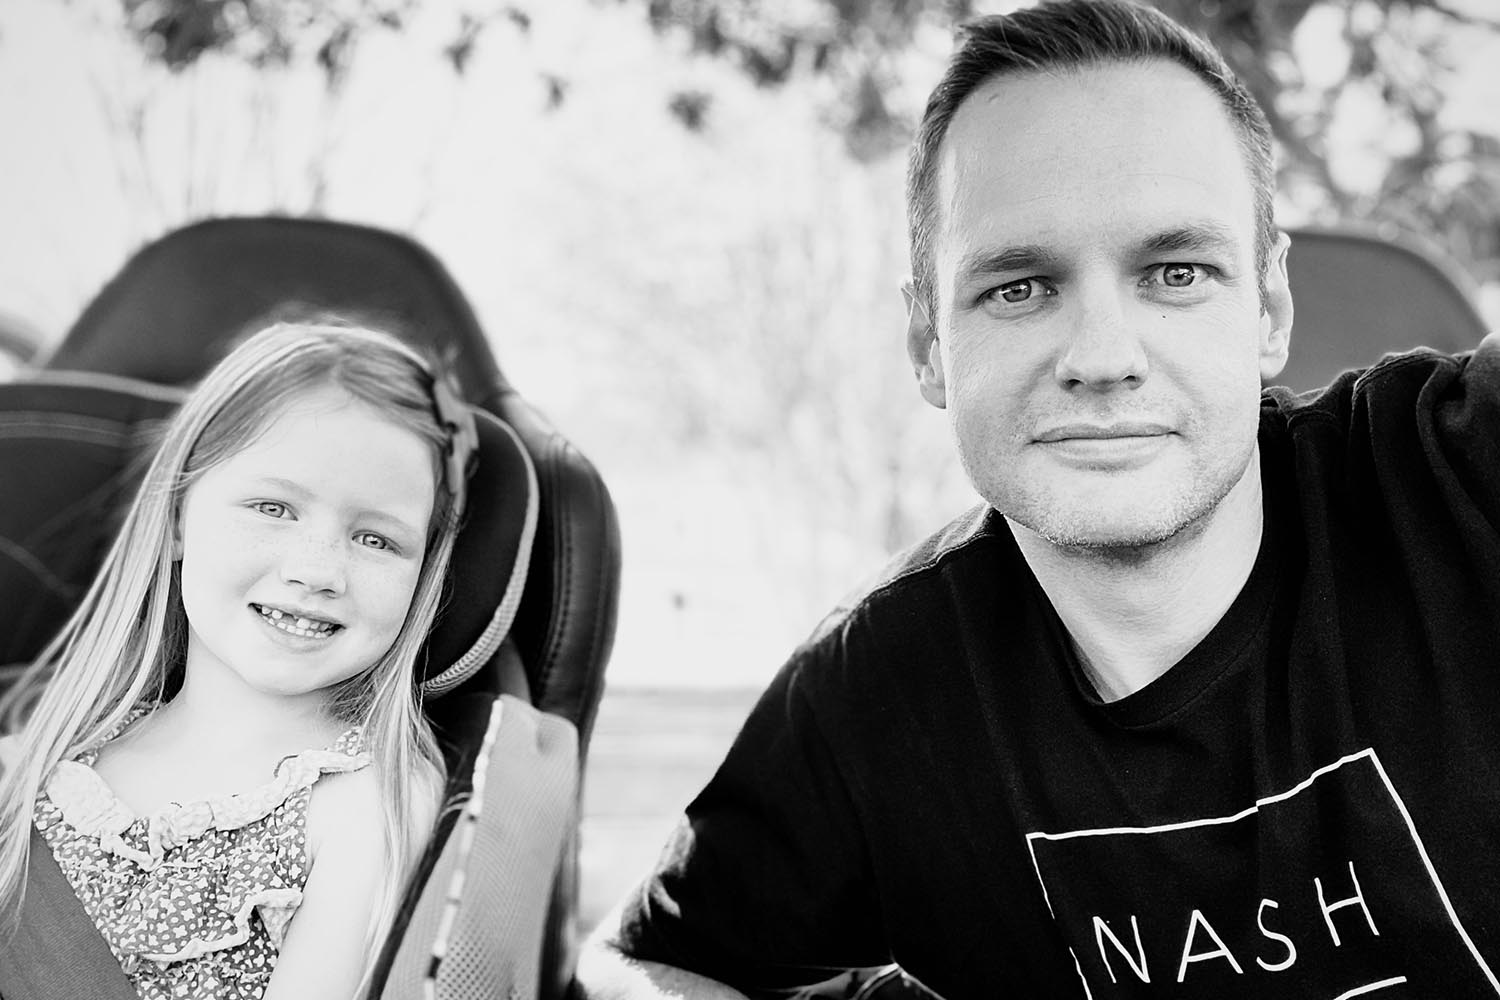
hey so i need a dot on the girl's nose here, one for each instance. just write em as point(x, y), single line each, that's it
point(316, 562)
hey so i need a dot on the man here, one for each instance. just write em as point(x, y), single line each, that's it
point(1205, 701)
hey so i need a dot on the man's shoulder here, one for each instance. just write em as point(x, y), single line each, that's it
point(1393, 384)
point(1413, 440)
point(892, 589)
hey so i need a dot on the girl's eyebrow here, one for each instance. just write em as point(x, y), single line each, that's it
point(286, 485)
point(301, 492)
point(386, 516)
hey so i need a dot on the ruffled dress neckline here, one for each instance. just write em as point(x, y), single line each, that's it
point(91, 807)
point(195, 898)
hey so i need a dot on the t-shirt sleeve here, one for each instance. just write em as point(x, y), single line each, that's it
point(765, 883)
point(1467, 422)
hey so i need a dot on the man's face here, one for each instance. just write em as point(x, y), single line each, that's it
point(1100, 341)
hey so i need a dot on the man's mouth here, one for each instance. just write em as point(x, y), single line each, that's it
point(302, 626)
point(1102, 432)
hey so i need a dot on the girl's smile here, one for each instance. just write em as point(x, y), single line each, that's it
point(296, 624)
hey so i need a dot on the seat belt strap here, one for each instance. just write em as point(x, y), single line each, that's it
point(57, 953)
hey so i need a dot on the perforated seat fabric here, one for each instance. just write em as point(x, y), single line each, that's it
point(472, 932)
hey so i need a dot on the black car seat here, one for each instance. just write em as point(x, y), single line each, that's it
point(73, 446)
point(178, 304)
point(1359, 294)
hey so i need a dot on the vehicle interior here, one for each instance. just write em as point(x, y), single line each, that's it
point(1360, 294)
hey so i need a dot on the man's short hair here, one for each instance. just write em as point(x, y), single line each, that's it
point(1070, 34)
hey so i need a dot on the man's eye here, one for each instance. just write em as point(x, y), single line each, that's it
point(1017, 291)
point(373, 541)
point(271, 508)
point(1180, 275)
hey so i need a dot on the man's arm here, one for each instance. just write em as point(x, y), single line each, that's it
point(606, 972)
point(764, 885)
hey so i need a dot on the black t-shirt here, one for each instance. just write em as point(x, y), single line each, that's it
point(1306, 805)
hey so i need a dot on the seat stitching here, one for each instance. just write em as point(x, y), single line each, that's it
point(27, 559)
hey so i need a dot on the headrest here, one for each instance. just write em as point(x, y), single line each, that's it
point(70, 448)
point(1359, 294)
point(490, 558)
point(73, 448)
point(180, 301)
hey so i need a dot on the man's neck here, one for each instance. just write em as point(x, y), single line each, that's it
point(1133, 614)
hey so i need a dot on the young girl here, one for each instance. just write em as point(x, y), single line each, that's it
point(227, 755)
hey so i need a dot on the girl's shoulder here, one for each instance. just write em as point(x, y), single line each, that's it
point(346, 818)
point(348, 811)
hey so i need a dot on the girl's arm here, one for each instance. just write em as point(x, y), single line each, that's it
point(327, 947)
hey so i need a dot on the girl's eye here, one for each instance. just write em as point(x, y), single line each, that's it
point(270, 508)
point(373, 541)
point(1180, 275)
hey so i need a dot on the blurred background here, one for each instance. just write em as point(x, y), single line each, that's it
point(681, 224)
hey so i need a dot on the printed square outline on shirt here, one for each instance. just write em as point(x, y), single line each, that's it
point(1369, 755)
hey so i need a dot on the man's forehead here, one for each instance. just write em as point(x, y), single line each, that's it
point(1053, 101)
point(1070, 153)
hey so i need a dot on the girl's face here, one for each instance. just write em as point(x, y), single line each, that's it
point(300, 554)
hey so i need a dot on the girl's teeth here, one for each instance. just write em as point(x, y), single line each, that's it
point(299, 625)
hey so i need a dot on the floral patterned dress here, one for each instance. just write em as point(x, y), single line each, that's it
point(194, 900)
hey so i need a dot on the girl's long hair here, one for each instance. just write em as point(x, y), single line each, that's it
point(126, 643)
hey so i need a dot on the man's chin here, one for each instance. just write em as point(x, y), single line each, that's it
point(1109, 534)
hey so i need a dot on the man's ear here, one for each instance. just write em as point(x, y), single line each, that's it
point(1276, 312)
point(924, 350)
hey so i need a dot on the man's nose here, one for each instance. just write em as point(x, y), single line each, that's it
point(316, 560)
point(1103, 348)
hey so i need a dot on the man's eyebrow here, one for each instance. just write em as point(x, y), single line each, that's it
point(1026, 257)
point(1195, 237)
point(1030, 258)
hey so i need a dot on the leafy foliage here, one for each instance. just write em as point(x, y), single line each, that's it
point(1446, 183)
point(279, 33)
